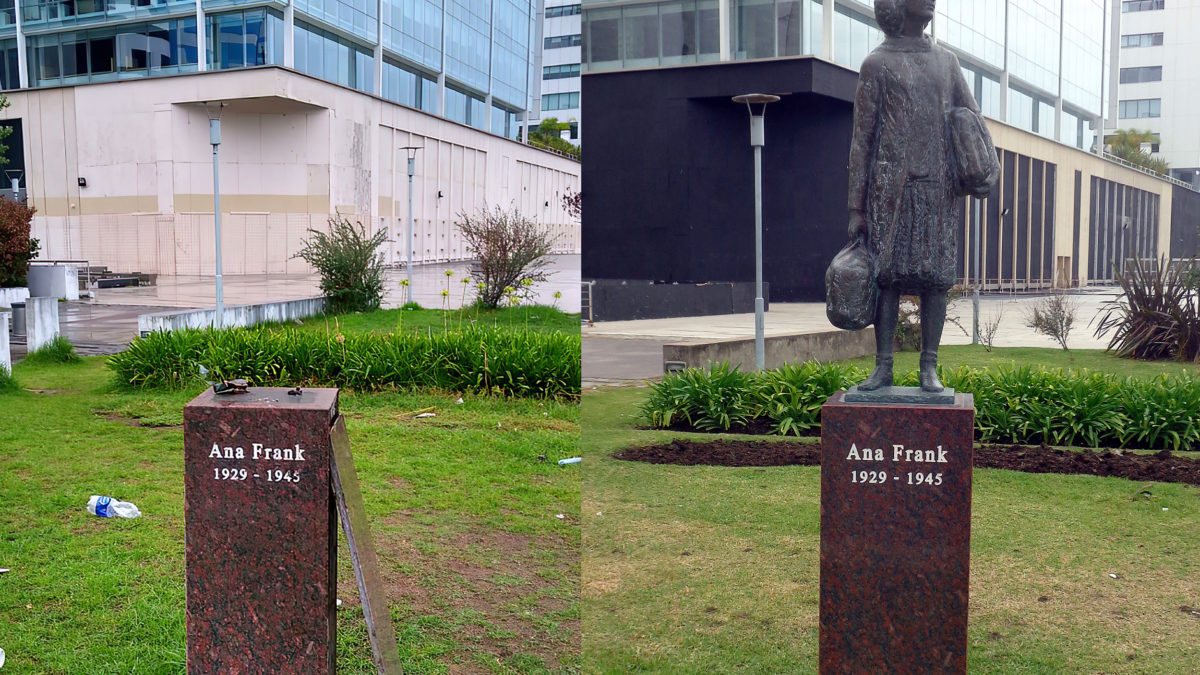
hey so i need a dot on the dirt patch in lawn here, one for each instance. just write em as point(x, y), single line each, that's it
point(503, 595)
point(1162, 467)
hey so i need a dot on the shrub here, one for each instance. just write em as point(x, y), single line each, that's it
point(718, 399)
point(989, 327)
point(351, 269)
point(1012, 404)
point(791, 396)
point(58, 350)
point(511, 250)
point(16, 246)
point(1053, 316)
point(503, 362)
point(1157, 315)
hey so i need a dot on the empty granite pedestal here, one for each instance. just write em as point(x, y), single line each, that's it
point(895, 536)
point(260, 527)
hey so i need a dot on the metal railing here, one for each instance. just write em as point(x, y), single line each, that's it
point(1170, 179)
point(585, 303)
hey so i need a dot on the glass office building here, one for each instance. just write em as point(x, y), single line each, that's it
point(470, 61)
point(1040, 65)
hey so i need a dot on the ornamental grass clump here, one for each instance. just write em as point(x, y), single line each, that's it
point(1157, 315)
point(493, 361)
point(58, 350)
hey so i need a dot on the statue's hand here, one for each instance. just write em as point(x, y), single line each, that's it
point(858, 225)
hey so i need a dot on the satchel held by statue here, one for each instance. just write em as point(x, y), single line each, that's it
point(851, 291)
point(974, 160)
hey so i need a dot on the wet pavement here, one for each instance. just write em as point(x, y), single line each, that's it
point(625, 353)
point(106, 323)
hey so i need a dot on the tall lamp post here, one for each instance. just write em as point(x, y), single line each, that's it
point(757, 140)
point(214, 138)
point(411, 150)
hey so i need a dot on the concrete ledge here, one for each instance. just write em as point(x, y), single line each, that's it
point(10, 295)
point(5, 351)
point(41, 322)
point(54, 281)
point(833, 345)
point(235, 315)
point(633, 299)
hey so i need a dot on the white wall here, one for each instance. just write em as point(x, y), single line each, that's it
point(294, 151)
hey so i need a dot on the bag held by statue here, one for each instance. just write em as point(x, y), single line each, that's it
point(975, 164)
point(851, 292)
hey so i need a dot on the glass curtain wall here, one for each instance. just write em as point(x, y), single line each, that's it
point(331, 57)
point(242, 39)
point(46, 13)
point(109, 53)
point(664, 34)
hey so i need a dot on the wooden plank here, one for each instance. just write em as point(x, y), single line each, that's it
point(362, 553)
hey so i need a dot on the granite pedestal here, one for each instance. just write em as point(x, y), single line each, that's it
point(261, 532)
point(895, 536)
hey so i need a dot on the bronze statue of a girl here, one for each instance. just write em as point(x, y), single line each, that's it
point(905, 177)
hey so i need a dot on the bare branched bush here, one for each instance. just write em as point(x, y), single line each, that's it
point(511, 250)
point(1053, 316)
point(988, 328)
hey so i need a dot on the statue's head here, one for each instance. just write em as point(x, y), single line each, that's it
point(892, 14)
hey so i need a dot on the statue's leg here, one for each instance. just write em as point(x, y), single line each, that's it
point(933, 317)
point(886, 312)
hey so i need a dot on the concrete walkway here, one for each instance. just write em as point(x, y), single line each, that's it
point(622, 352)
point(186, 292)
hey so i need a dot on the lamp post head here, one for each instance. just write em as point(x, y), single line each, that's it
point(757, 134)
point(411, 150)
point(755, 99)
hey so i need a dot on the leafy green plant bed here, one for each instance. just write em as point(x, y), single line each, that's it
point(1013, 404)
point(499, 361)
point(536, 318)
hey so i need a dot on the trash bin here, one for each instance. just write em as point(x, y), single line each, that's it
point(18, 318)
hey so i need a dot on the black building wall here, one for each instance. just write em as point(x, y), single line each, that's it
point(1185, 223)
point(668, 175)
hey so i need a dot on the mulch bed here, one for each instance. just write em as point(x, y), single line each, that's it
point(1162, 467)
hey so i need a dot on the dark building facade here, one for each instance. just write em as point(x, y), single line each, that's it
point(668, 188)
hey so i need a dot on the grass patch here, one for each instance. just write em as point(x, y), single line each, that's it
point(1095, 360)
point(712, 569)
point(7, 382)
point(460, 504)
point(58, 350)
point(537, 318)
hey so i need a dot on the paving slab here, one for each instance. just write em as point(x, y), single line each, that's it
point(618, 352)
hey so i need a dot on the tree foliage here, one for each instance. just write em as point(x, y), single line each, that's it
point(350, 267)
point(511, 250)
point(17, 248)
point(1127, 144)
point(548, 134)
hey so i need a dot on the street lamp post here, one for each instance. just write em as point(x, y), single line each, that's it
point(757, 140)
point(411, 150)
point(978, 271)
point(214, 138)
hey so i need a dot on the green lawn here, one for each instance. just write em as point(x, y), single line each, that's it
point(711, 569)
point(481, 575)
point(534, 317)
point(952, 356)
